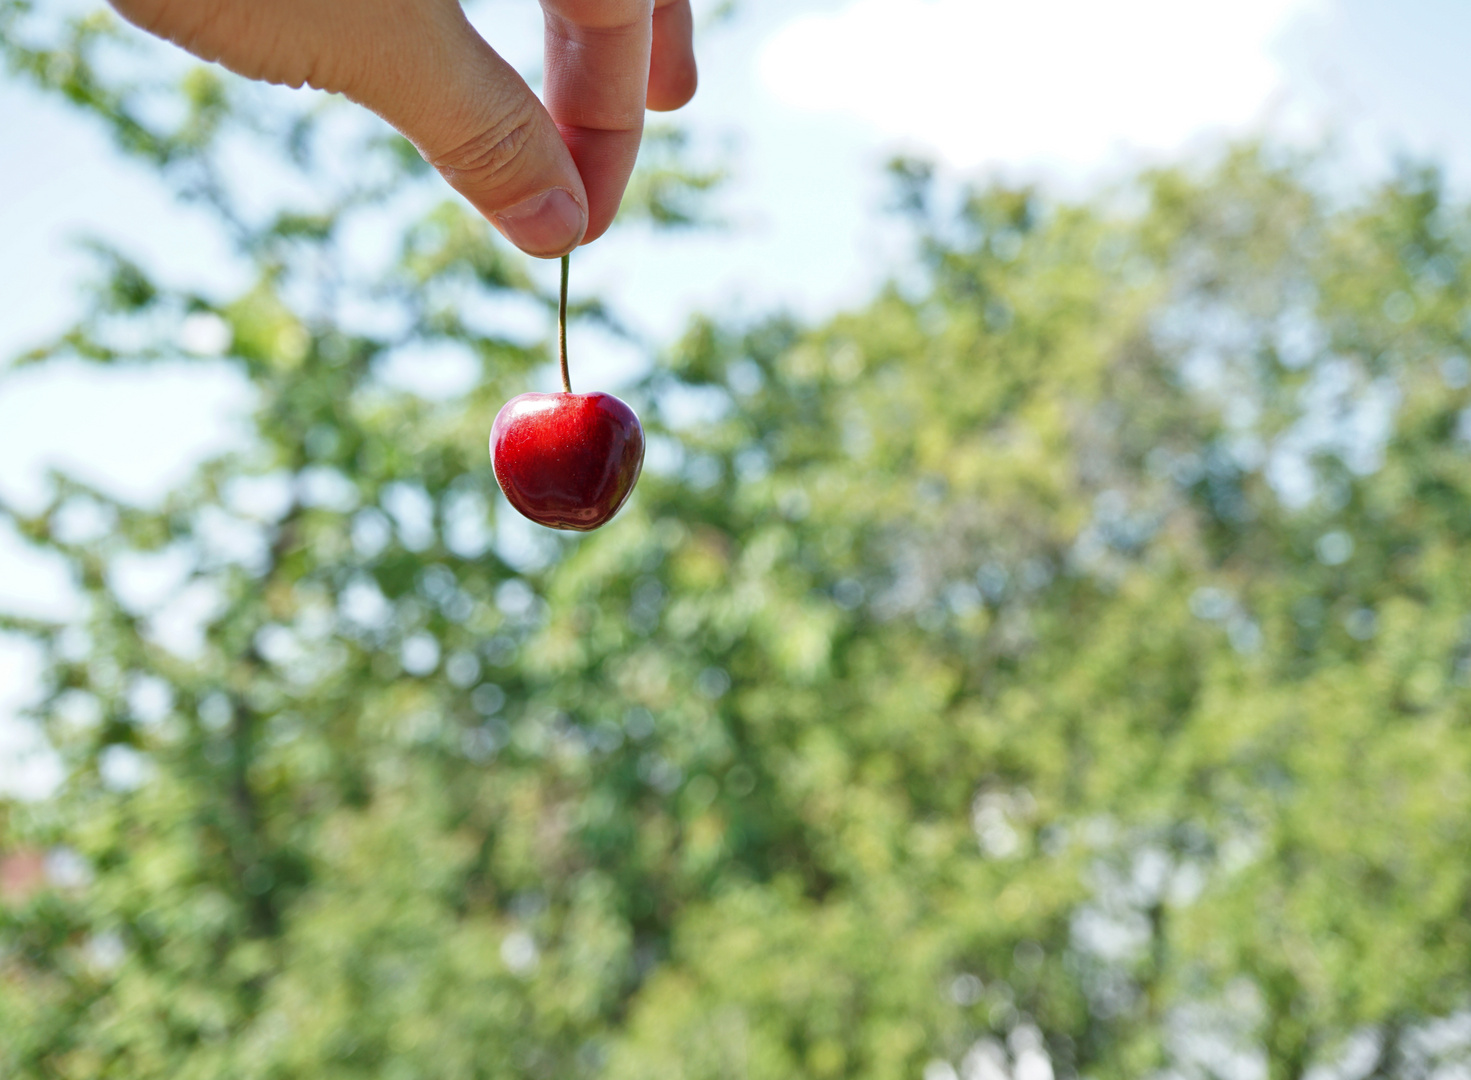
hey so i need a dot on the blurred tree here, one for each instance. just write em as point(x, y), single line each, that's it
point(1061, 669)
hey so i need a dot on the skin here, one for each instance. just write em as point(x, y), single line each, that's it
point(549, 177)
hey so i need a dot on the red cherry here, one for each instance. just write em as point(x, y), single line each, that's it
point(567, 461)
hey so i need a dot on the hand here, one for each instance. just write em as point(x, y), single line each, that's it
point(549, 178)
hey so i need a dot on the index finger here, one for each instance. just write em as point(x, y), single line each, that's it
point(597, 78)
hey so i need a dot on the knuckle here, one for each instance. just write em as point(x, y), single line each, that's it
point(490, 157)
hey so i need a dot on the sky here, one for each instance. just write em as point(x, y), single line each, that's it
point(1068, 83)
point(810, 97)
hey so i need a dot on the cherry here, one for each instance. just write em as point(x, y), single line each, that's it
point(567, 461)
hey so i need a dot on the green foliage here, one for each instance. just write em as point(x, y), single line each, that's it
point(1064, 662)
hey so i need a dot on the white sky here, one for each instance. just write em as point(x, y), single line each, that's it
point(815, 95)
point(984, 82)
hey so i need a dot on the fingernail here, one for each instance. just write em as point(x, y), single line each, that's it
point(547, 224)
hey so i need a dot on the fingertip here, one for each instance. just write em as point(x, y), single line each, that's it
point(671, 86)
point(673, 76)
point(547, 226)
point(604, 159)
point(596, 228)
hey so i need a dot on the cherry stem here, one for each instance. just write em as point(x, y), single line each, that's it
point(562, 326)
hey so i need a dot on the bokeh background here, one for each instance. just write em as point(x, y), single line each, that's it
point(1040, 645)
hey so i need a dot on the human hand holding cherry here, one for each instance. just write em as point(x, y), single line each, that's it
point(549, 178)
point(567, 461)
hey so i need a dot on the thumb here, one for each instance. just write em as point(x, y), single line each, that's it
point(474, 119)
